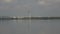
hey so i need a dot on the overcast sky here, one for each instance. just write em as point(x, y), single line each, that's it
point(35, 7)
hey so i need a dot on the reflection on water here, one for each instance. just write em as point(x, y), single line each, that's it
point(29, 26)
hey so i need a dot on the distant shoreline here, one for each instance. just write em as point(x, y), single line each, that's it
point(26, 18)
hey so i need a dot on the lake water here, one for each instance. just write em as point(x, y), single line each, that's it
point(29, 26)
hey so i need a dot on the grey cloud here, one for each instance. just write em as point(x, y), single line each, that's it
point(21, 8)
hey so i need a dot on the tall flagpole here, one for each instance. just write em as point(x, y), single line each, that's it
point(29, 24)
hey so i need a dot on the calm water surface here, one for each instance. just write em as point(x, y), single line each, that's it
point(29, 26)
